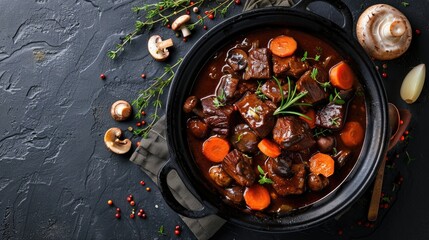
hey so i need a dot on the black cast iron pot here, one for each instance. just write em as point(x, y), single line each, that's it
point(376, 106)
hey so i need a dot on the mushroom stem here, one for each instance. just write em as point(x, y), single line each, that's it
point(119, 141)
point(122, 110)
point(397, 28)
point(185, 31)
point(164, 44)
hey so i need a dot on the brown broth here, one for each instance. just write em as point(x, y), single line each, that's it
point(206, 84)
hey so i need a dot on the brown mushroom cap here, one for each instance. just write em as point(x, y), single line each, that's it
point(180, 21)
point(384, 32)
point(120, 110)
point(114, 144)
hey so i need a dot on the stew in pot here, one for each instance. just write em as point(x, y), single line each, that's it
point(276, 120)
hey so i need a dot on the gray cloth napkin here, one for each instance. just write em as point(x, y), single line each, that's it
point(152, 154)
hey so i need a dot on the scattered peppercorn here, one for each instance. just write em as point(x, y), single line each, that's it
point(138, 143)
point(132, 215)
point(188, 12)
point(185, 39)
point(177, 232)
point(118, 210)
point(161, 7)
point(401, 122)
point(384, 75)
point(138, 124)
point(406, 132)
point(206, 12)
point(139, 214)
point(148, 189)
point(168, 26)
point(210, 16)
point(195, 10)
point(143, 113)
point(110, 202)
point(191, 3)
point(205, 27)
point(130, 198)
point(142, 183)
point(143, 122)
point(144, 75)
point(102, 76)
point(237, 2)
point(130, 128)
point(132, 203)
point(384, 65)
point(417, 31)
point(402, 138)
point(143, 215)
point(117, 215)
point(177, 227)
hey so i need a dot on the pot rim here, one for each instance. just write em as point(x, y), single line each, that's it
point(376, 131)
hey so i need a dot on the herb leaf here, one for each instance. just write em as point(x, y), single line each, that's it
point(161, 230)
point(291, 99)
point(405, 4)
point(259, 92)
point(305, 57)
point(336, 98)
point(220, 100)
point(263, 179)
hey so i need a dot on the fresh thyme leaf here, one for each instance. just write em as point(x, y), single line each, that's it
point(334, 121)
point(334, 150)
point(259, 92)
point(161, 230)
point(305, 57)
point(219, 101)
point(405, 4)
point(239, 137)
point(314, 73)
point(336, 98)
point(291, 99)
point(263, 179)
point(321, 132)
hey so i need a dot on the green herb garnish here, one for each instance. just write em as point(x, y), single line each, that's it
point(219, 101)
point(334, 121)
point(313, 75)
point(263, 177)
point(305, 57)
point(259, 92)
point(290, 101)
point(321, 132)
point(161, 230)
point(336, 98)
point(405, 4)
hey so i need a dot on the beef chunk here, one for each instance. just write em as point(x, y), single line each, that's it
point(315, 93)
point(228, 85)
point(287, 186)
point(292, 134)
point(272, 91)
point(258, 65)
point(288, 66)
point(219, 119)
point(317, 182)
point(244, 139)
point(331, 116)
point(257, 114)
point(239, 167)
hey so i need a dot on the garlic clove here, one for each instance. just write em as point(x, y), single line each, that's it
point(413, 84)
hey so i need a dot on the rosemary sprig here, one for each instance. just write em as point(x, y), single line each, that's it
point(154, 93)
point(263, 179)
point(290, 101)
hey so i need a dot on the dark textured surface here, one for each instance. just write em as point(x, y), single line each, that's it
point(55, 172)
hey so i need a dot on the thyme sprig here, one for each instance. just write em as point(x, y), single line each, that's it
point(161, 12)
point(219, 100)
point(259, 92)
point(305, 57)
point(336, 97)
point(263, 179)
point(222, 8)
point(290, 101)
point(153, 94)
point(313, 75)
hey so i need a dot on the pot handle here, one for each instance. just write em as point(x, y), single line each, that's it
point(171, 200)
point(337, 4)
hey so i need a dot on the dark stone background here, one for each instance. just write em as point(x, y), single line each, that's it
point(55, 172)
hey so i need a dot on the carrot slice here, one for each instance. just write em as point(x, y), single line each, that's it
point(215, 149)
point(312, 115)
point(321, 163)
point(341, 76)
point(352, 134)
point(283, 46)
point(269, 148)
point(257, 197)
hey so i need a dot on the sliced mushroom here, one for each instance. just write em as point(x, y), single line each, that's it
point(120, 110)
point(180, 24)
point(158, 48)
point(191, 105)
point(384, 32)
point(114, 143)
